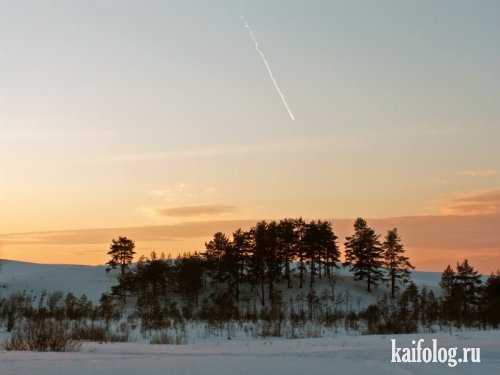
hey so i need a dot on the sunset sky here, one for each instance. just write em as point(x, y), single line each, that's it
point(158, 120)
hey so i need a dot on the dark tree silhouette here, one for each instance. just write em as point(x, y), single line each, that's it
point(190, 270)
point(321, 248)
point(122, 253)
point(259, 238)
point(217, 252)
point(490, 300)
point(235, 260)
point(450, 298)
point(397, 265)
point(468, 283)
point(364, 254)
point(288, 237)
point(461, 293)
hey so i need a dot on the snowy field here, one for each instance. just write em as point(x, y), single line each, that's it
point(339, 355)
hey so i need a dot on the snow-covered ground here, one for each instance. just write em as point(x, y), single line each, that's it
point(32, 278)
point(335, 355)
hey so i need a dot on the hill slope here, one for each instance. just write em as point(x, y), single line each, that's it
point(32, 278)
point(94, 280)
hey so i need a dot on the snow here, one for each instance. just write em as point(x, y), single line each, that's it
point(339, 355)
point(32, 278)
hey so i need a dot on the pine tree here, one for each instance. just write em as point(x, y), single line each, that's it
point(264, 261)
point(447, 283)
point(216, 250)
point(321, 248)
point(447, 280)
point(397, 265)
point(468, 283)
point(364, 254)
point(288, 238)
point(122, 253)
point(490, 300)
point(461, 292)
point(189, 276)
point(257, 262)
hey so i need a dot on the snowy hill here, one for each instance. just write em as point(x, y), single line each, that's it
point(32, 278)
point(92, 281)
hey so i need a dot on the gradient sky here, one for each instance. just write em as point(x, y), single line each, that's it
point(158, 120)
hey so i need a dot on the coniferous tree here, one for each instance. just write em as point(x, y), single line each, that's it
point(190, 270)
point(450, 298)
point(432, 311)
point(122, 253)
point(409, 305)
point(397, 265)
point(330, 253)
point(264, 262)
point(321, 248)
point(230, 266)
point(257, 261)
point(490, 300)
point(288, 237)
point(152, 284)
point(301, 250)
point(241, 244)
point(214, 254)
point(461, 293)
point(448, 280)
point(272, 258)
point(468, 283)
point(364, 254)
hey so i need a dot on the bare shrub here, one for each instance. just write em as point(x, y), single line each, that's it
point(42, 336)
point(164, 338)
point(98, 333)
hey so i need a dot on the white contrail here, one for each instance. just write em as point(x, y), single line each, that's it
point(268, 68)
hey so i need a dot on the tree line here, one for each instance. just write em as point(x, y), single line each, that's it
point(278, 277)
point(270, 252)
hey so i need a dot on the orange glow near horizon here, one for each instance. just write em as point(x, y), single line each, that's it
point(431, 242)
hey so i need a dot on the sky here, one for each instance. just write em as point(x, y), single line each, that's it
point(159, 120)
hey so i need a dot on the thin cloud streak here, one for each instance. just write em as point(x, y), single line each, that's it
point(200, 210)
point(43, 136)
point(167, 232)
point(337, 143)
point(483, 202)
point(477, 173)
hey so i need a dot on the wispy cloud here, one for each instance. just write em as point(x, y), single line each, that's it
point(184, 191)
point(293, 145)
point(200, 210)
point(484, 202)
point(162, 233)
point(53, 135)
point(477, 173)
